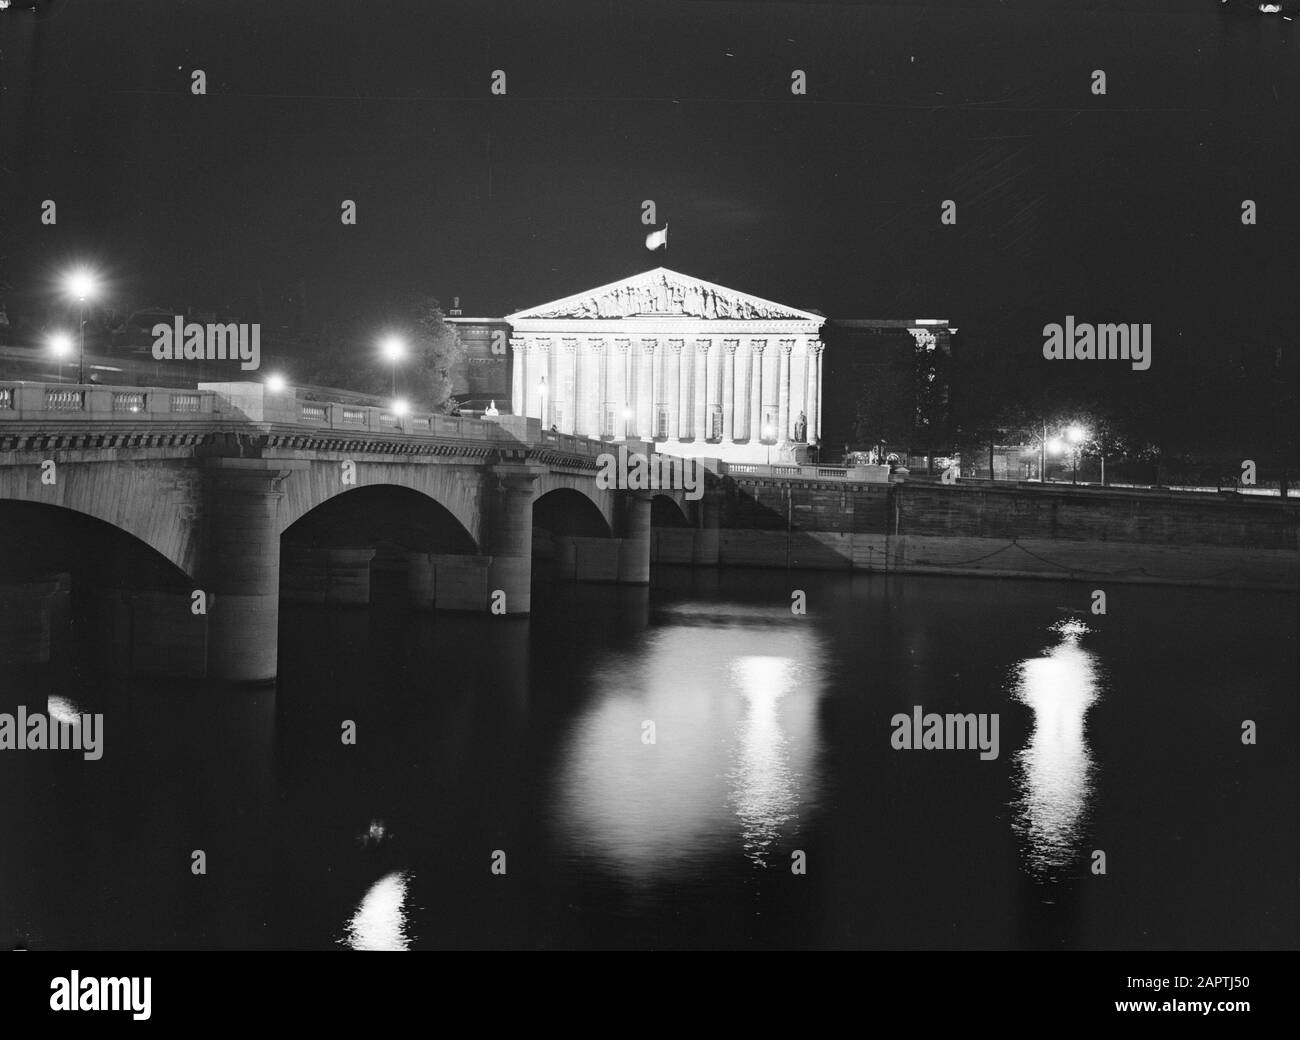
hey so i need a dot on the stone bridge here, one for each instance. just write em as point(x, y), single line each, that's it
point(184, 515)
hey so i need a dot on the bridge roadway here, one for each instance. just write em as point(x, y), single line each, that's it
point(211, 478)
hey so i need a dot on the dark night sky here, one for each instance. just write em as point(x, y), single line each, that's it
point(1117, 208)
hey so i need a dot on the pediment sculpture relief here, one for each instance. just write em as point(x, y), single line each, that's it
point(663, 296)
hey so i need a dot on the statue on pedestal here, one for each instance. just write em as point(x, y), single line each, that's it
point(801, 428)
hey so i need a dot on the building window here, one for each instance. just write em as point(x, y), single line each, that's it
point(557, 418)
point(661, 423)
point(715, 423)
point(607, 430)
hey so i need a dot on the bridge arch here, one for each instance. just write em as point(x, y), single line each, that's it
point(335, 551)
point(84, 592)
point(567, 511)
point(154, 501)
point(668, 511)
point(573, 539)
point(456, 489)
point(381, 513)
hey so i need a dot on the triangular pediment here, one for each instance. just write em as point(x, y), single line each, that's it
point(662, 293)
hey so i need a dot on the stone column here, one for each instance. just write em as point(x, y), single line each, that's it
point(798, 385)
point(821, 348)
point(685, 399)
point(814, 389)
point(545, 371)
point(645, 390)
point(756, 347)
point(634, 551)
point(510, 535)
point(659, 396)
point(240, 565)
point(597, 386)
point(672, 387)
point(519, 377)
point(783, 392)
point(618, 392)
point(701, 429)
point(573, 397)
point(729, 389)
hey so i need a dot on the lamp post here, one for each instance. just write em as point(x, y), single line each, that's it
point(393, 349)
point(1076, 435)
point(80, 285)
point(1053, 447)
point(768, 434)
point(541, 390)
point(627, 418)
point(60, 347)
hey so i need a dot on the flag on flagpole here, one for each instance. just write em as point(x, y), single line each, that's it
point(657, 238)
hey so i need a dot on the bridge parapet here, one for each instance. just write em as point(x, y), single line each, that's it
point(790, 471)
point(64, 402)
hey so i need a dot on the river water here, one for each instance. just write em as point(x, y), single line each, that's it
point(506, 786)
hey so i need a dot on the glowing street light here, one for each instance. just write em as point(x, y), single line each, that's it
point(276, 383)
point(81, 285)
point(541, 390)
point(401, 407)
point(627, 419)
point(769, 434)
point(60, 347)
point(393, 348)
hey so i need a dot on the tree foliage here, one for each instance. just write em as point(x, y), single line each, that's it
point(349, 354)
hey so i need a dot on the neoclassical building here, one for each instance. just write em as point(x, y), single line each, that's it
point(701, 369)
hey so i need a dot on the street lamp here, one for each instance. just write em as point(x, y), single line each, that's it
point(401, 407)
point(1053, 446)
point(81, 286)
point(541, 389)
point(275, 383)
point(627, 418)
point(393, 349)
point(60, 347)
point(768, 435)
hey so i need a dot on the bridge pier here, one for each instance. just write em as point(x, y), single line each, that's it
point(143, 631)
point(240, 565)
point(510, 535)
point(323, 575)
point(27, 611)
point(634, 550)
point(448, 581)
point(707, 537)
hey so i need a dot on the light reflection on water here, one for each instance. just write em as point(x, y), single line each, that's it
point(736, 759)
point(380, 921)
point(764, 785)
point(1054, 772)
